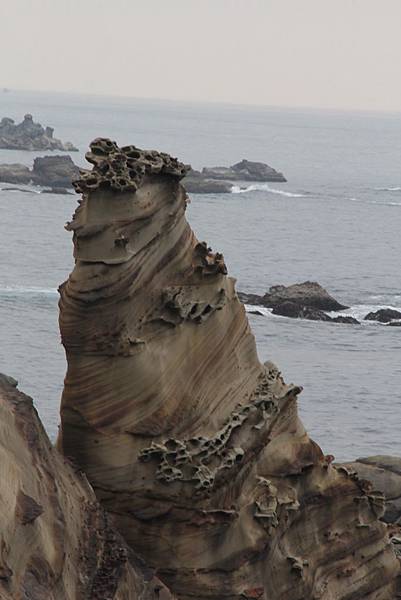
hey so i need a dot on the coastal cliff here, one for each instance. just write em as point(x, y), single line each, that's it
point(190, 443)
point(57, 543)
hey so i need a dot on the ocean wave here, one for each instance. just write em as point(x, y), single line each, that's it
point(20, 189)
point(11, 290)
point(359, 311)
point(377, 202)
point(388, 189)
point(264, 187)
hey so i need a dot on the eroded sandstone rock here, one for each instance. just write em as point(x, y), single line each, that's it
point(57, 543)
point(192, 444)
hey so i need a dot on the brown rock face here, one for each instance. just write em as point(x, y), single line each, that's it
point(190, 442)
point(56, 541)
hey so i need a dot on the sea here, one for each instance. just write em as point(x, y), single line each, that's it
point(336, 221)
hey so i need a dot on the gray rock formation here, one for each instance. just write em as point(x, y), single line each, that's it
point(297, 311)
point(53, 171)
point(220, 180)
point(29, 135)
point(384, 315)
point(15, 173)
point(246, 170)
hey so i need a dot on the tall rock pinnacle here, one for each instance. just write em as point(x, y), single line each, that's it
point(191, 443)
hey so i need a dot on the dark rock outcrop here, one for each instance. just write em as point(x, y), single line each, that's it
point(220, 180)
point(306, 300)
point(245, 170)
point(15, 173)
point(54, 171)
point(384, 315)
point(29, 135)
point(190, 442)
point(56, 541)
point(308, 294)
point(296, 311)
point(196, 183)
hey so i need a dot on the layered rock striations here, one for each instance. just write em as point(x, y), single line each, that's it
point(192, 444)
point(57, 543)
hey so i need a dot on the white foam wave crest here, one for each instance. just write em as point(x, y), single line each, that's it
point(21, 189)
point(388, 189)
point(377, 202)
point(11, 290)
point(359, 311)
point(256, 308)
point(264, 187)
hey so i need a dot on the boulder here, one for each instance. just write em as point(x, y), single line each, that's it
point(385, 474)
point(308, 294)
point(29, 135)
point(383, 315)
point(54, 171)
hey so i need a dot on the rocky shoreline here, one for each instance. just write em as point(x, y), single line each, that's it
point(309, 300)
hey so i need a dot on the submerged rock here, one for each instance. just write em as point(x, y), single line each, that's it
point(384, 315)
point(29, 135)
point(56, 540)
point(192, 444)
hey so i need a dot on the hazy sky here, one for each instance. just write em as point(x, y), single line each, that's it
point(320, 53)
